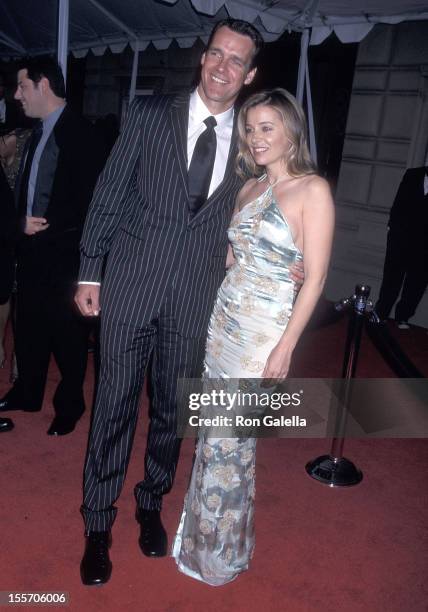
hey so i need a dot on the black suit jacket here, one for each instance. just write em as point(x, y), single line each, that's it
point(68, 170)
point(140, 216)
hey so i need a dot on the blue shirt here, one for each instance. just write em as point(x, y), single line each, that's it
point(48, 125)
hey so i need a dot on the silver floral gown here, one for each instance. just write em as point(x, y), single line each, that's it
point(215, 537)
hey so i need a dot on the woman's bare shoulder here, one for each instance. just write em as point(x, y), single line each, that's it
point(316, 185)
point(314, 189)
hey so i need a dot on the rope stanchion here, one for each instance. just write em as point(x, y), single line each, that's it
point(335, 470)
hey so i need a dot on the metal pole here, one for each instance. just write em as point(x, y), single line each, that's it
point(335, 470)
point(311, 126)
point(134, 74)
point(118, 22)
point(352, 349)
point(62, 47)
point(304, 42)
point(6, 40)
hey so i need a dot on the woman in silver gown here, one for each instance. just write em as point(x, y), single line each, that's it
point(283, 212)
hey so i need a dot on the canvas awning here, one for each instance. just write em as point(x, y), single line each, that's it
point(28, 27)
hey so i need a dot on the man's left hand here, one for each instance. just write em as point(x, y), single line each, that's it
point(34, 225)
point(297, 273)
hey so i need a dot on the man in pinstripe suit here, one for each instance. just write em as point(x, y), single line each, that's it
point(164, 265)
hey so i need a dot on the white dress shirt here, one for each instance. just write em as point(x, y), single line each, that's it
point(197, 113)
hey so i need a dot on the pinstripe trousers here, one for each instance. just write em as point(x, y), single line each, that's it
point(125, 352)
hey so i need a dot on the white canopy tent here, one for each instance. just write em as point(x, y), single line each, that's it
point(29, 26)
point(77, 26)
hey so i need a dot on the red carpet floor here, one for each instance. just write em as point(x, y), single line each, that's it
point(318, 549)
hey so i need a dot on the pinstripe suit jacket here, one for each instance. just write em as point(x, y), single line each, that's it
point(140, 217)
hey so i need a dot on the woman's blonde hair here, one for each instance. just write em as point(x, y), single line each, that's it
point(299, 161)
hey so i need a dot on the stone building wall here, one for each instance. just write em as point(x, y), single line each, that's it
point(387, 132)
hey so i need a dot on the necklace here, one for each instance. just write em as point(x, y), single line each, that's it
point(284, 177)
point(280, 179)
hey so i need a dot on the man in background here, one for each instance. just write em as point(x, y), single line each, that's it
point(53, 190)
point(406, 259)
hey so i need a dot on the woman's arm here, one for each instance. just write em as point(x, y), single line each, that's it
point(318, 225)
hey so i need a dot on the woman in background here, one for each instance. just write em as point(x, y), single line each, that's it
point(12, 144)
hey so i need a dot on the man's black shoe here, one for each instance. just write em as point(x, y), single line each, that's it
point(153, 540)
point(96, 566)
point(403, 325)
point(6, 425)
point(61, 427)
point(7, 404)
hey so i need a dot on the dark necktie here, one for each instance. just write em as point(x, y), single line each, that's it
point(34, 141)
point(202, 164)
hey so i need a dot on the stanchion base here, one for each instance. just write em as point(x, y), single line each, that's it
point(334, 472)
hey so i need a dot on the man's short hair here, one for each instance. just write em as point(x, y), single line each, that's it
point(39, 67)
point(241, 27)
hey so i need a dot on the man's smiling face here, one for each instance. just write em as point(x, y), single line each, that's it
point(225, 69)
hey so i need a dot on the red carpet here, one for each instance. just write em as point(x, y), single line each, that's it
point(318, 549)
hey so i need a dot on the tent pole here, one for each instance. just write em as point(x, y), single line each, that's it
point(311, 126)
point(113, 18)
point(62, 47)
point(304, 42)
point(12, 44)
point(121, 25)
point(134, 74)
